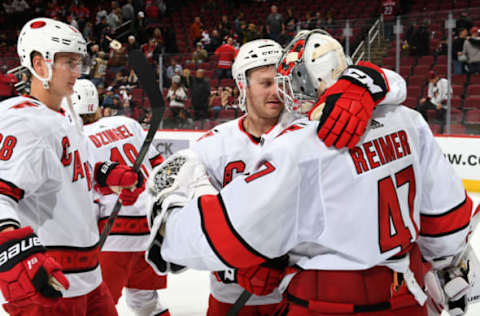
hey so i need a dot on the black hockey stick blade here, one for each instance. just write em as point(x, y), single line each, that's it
point(239, 303)
point(146, 77)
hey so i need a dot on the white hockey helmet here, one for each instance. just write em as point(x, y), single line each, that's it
point(312, 62)
point(253, 54)
point(85, 97)
point(48, 37)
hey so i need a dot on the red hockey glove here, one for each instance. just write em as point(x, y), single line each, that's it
point(345, 108)
point(27, 274)
point(109, 175)
point(263, 279)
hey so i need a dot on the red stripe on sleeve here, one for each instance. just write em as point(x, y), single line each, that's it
point(224, 240)
point(447, 223)
point(155, 161)
point(11, 190)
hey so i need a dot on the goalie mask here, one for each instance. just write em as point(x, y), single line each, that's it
point(49, 37)
point(257, 53)
point(85, 97)
point(311, 63)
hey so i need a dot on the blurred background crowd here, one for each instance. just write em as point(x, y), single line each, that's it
point(192, 45)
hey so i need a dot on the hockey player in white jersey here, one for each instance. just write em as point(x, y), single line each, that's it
point(119, 138)
point(349, 219)
point(230, 149)
point(48, 234)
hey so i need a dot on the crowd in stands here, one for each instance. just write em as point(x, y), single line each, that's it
point(194, 58)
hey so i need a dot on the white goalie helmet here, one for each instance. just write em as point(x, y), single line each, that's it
point(312, 62)
point(48, 37)
point(85, 97)
point(257, 53)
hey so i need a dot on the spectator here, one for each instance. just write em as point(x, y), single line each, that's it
point(88, 32)
point(200, 93)
point(199, 55)
point(119, 80)
point(458, 57)
point(196, 30)
point(157, 35)
point(128, 12)
point(7, 83)
point(108, 99)
point(71, 21)
point(173, 69)
point(291, 21)
point(317, 21)
point(151, 50)
point(238, 22)
point(117, 59)
point(251, 33)
point(176, 97)
point(99, 69)
point(471, 50)
point(114, 19)
point(421, 39)
point(187, 78)
point(205, 38)
point(274, 23)
point(226, 26)
point(225, 54)
point(437, 95)
point(464, 22)
point(131, 43)
point(389, 10)
point(146, 119)
point(100, 28)
point(215, 42)
point(307, 23)
point(138, 27)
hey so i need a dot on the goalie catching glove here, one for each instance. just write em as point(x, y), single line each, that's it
point(454, 287)
point(178, 180)
point(345, 108)
point(113, 177)
point(27, 274)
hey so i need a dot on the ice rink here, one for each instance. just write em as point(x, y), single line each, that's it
point(187, 293)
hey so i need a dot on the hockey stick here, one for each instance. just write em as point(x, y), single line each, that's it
point(239, 303)
point(146, 76)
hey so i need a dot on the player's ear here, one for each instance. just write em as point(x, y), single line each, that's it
point(39, 65)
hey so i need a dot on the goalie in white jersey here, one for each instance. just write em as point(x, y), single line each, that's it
point(231, 149)
point(349, 219)
point(46, 186)
point(119, 139)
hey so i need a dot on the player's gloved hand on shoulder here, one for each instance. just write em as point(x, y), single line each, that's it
point(121, 179)
point(27, 274)
point(264, 278)
point(345, 108)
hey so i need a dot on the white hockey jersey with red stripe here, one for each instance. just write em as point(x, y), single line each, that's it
point(227, 151)
point(119, 138)
point(331, 209)
point(45, 183)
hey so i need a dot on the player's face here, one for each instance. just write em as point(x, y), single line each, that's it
point(262, 100)
point(66, 69)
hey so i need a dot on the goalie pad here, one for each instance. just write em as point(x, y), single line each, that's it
point(454, 287)
point(178, 180)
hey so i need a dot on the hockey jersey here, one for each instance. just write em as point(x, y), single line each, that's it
point(119, 138)
point(45, 183)
point(227, 151)
point(331, 209)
